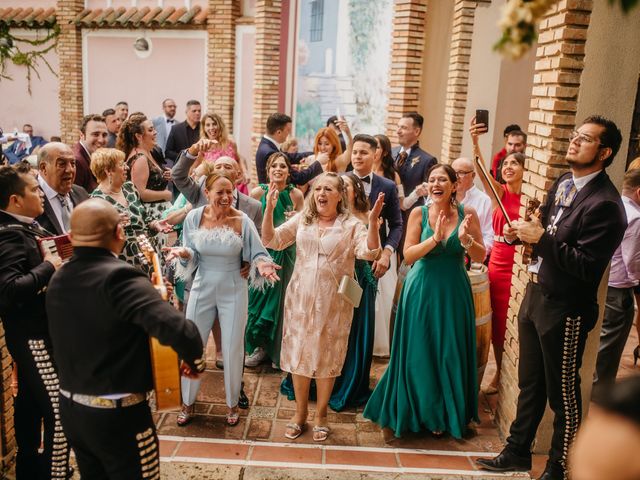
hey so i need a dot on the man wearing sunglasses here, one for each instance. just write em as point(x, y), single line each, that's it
point(582, 222)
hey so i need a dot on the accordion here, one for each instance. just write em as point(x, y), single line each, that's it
point(59, 245)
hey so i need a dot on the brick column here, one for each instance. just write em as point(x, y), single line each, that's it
point(70, 73)
point(7, 430)
point(221, 34)
point(267, 69)
point(405, 72)
point(556, 85)
point(458, 79)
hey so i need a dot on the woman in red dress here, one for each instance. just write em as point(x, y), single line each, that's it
point(501, 260)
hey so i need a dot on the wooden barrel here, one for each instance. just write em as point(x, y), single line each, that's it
point(482, 303)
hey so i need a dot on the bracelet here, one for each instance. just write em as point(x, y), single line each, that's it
point(469, 244)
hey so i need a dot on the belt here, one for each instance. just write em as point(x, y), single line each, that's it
point(101, 402)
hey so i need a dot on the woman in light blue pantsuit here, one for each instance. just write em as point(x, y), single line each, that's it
point(217, 239)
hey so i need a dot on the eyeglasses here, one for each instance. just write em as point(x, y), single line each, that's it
point(581, 138)
point(463, 173)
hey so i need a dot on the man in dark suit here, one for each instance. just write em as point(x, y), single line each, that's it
point(113, 123)
point(184, 134)
point(582, 223)
point(101, 313)
point(24, 275)
point(278, 129)
point(364, 147)
point(93, 135)
point(21, 149)
point(412, 163)
point(57, 168)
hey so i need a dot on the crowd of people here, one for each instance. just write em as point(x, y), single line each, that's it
point(300, 270)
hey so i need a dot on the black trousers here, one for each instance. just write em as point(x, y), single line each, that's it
point(552, 337)
point(36, 410)
point(112, 443)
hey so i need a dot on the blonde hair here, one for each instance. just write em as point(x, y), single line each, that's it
point(104, 160)
point(635, 164)
point(213, 177)
point(310, 212)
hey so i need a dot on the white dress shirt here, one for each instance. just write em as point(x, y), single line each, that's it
point(481, 202)
point(55, 202)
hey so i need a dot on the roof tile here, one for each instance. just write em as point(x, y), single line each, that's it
point(28, 17)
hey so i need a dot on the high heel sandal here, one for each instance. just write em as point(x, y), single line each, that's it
point(636, 355)
point(185, 416)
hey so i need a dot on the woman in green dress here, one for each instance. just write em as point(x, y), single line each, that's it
point(263, 334)
point(110, 169)
point(431, 380)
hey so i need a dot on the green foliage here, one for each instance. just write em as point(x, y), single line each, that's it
point(26, 52)
point(626, 5)
point(308, 121)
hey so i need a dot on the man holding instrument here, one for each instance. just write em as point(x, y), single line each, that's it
point(582, 222)
point(101, 312)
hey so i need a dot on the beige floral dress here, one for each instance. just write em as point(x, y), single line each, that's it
point(317, 320)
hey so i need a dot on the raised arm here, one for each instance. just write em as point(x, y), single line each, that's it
point(476, 130)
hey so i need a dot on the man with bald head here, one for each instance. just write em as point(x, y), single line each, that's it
point(24, 275)
point(101, 313)
point(57, 168)
point(195, 192)
point(468, 194)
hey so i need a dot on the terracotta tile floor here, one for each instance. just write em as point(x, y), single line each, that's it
point(355, 443)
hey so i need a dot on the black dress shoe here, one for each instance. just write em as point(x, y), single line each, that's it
point(505, 462)
point(243, 401)
point(551, 473)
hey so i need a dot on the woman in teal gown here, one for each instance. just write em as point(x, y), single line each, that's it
point(431, 380)
point(264, 325)
point(351, 388)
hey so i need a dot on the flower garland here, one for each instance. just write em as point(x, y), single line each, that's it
point(519, 24)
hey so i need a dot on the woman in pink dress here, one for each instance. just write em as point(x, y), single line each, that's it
point(213, 127)
point(501, 260)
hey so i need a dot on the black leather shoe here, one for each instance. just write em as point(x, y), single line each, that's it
point(505, 462)
point(552, 473)
point(243, 401)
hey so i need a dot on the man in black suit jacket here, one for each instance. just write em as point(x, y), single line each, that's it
point(582, 223)
point(93, 135)
point(364, 147)
point(278, 129)
point(186, 133)
point(24, 275)
point(101, 313)
point(412, 163)
point(57, 171)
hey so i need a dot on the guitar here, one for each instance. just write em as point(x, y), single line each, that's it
point(532, 210)
point(164, 360)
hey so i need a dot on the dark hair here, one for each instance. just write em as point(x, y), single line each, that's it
point(631, 180)
point(108, 111)
point(387, 159)
point(451, 173)
point(273, 157)
point(11, 183)
point(510, 128)
point(277, 121)
point(332, 120)
point(517, 133)
point(418, 120)
point(620, 398)
point(27, 125)
point(363, 137)
point(122, 102)
point(23, 166)
point(519, 156)
point(360, 200)
point(166, 100)
point(610, 138)
point(127, 140)
point(92, 117)
point(55, 138)
point(191, 103)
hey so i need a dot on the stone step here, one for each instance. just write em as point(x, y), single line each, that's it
point(192, 457)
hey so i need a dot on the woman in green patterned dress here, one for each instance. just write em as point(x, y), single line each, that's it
point(263, 334)
point(110, 169)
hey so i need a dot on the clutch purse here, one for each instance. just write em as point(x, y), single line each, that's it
point(350, 290)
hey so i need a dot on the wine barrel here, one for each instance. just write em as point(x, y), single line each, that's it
point(482, 303)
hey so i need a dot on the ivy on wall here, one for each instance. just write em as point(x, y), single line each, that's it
point(26, 52)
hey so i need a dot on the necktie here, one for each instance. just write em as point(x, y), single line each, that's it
point(66, 212)
point(566, 192)
point(20, 148)
point(401, 158)
point(366, 179)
